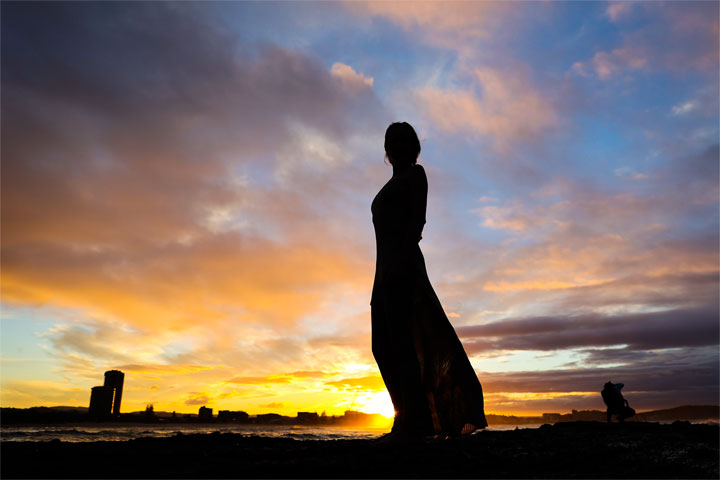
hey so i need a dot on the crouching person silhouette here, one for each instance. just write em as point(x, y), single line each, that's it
point(616, 404)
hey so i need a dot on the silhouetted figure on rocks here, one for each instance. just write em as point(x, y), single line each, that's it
point(433, 387)
point(616, 404)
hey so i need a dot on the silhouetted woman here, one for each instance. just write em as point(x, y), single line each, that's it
point(432, 385)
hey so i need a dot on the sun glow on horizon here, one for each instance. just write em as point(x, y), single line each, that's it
point(377, 402)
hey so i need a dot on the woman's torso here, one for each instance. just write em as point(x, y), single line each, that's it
point(398, 219)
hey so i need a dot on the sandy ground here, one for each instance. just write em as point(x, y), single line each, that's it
point(565, 450)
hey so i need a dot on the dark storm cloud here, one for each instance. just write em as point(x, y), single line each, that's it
point(692, 374)
point(691, 327)
point(130, 59)
point(157, 79)
point(114, 55)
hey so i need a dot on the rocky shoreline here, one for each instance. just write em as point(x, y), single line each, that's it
point(563, 450)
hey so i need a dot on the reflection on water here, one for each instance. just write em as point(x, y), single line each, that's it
point(116, 433)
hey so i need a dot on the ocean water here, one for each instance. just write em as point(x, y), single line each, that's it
point(117, 433)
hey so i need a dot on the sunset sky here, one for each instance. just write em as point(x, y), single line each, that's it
point(186, 194)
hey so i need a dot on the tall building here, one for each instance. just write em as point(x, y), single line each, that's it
point(105, 400)
point(114, 379)
point(100, 402)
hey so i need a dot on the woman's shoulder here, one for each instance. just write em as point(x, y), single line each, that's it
point(417, 173)
point(412, 175)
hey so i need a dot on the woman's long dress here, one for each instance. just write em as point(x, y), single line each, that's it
point(433, 387)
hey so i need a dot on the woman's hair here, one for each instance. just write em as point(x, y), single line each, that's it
point(401, 144)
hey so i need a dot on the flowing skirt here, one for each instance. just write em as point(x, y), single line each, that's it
point(431, 382)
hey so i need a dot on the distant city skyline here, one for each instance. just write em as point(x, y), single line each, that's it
point(186, 192)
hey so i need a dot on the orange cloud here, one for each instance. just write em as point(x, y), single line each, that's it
point(28, 393)
point(371, 383)
point(309, 374)
point(165, 369)
point(197, 398)
point(181, 237)
point(260, 380)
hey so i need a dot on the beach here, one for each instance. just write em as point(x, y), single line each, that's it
point(563, 450)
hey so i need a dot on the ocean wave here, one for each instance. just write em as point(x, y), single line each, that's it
point(125, 432)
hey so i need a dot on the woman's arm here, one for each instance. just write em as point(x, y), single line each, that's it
point(409, 230)
point(418, 203)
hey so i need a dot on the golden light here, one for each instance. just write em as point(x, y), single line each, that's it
point(376, 402)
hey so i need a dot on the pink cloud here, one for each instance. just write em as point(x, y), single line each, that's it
point(676, 37)
point(508, 109)
point(607, 65)
point(349, 77)
point(450, 24)
point(618, 10)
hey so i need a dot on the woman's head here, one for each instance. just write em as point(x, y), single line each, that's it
point(401, 144)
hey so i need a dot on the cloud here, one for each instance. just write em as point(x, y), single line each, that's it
point(309, 374)
point(197, 398)
point(670, 37)
point(372, 383)
point(607, 65)
point(36, 393)
point(648, 384)
point(574, 248)
point(638, 331)
point(201, 203)
point(509, 108)
point(575, 245)
point(349, 77)
point(180, 165)
point(506, 218)
point(164, 369)
point(192, 202)
point(618, 10)
point(259, 380)
point(286, 378)
point(273, 405)
point(447, 24)
point(683, 108)
point(627, 172)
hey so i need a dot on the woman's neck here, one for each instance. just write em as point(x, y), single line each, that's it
point(399, 169)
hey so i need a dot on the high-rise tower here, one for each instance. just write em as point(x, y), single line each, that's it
point(114, 379)
point(100, 402)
